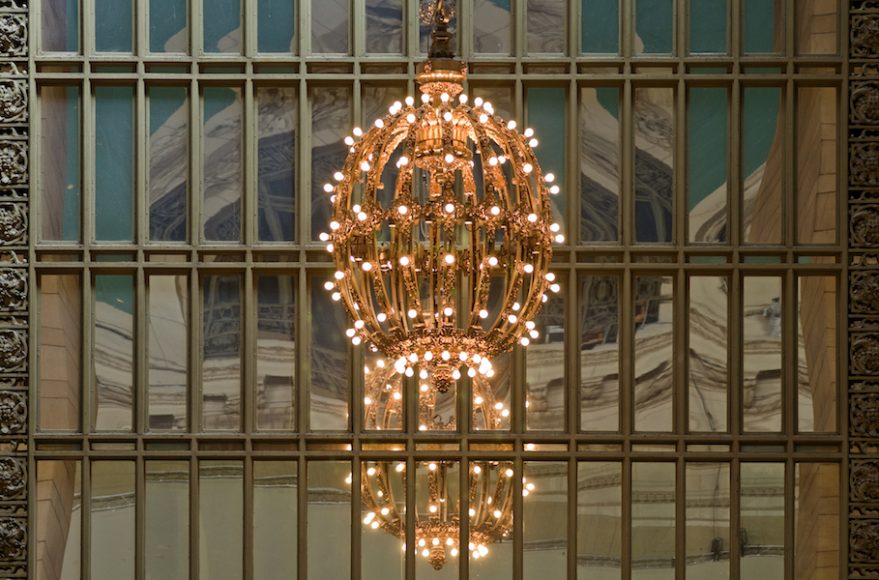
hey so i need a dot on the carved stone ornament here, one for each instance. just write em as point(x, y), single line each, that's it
point(864, 226)
point(864, 163)
point(865, 354)
point(13, 101)
point(863, 292)
point(13, 35)
point(864, 478)
point(13, 412)
point(12, 478)
point(13, 350)
point(864, 415)
point(864, 103)
point(13, 162)
point(13, 539)
point(865, 35)
point(864, 540)
point(13, 223)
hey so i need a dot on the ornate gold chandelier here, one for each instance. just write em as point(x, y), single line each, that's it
point(449, 269)
point(437, 524)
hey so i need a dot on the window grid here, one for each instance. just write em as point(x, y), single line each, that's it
point(303, 259)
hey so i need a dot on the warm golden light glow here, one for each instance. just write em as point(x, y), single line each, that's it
point(442, 230)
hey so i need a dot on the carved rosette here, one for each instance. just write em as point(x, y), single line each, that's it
point(13, 478)
point(13, 413)
point(14, 287)
point(863, 278)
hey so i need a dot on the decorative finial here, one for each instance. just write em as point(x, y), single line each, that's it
point(441, 38)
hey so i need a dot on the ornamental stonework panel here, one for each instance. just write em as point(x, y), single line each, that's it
point(14, 287)
point(863, 299)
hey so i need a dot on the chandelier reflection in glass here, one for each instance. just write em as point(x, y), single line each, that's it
point(442, 229)
point(437, 523)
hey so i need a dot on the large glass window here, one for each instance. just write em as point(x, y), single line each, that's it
point(199, 412)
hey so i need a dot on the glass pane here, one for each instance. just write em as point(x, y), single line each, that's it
point(278, 114)
point(221, 352)
point(437, 513)
point(599, 520)
point(169, 163)
point(58, 522)
point(276, 26)
point(492, 26)
point(761, 521)
point(817, 27)
point(491, 497)
point(330, 122)
point(329, 519)
point(60, 352)
point(328, 357)
point(168, 327)
point(169, 26)
point(654, 164)
point(707, 143)
point(654, 370)
point(817, 506)
point(221, 520)
point(384, 26)
point(60, 158)
point(816, 154)
point(383, 513)
point(654, 26)
point(376, 100)
point(329, 26)
point(547, 116)
point(113, 353)
point(600, 26)
point(502, 98)
point(547, 25)
point(275, 510)
point(763, 26)
point(708, 26)
point(762, 164)
point(707, 520)
point(222, 26)
point(222, 161)
point(166, 514)
point(653, 521)
point(276, 352)
point(113, 22)
point(817, 353)
point(112, 519)
point(544, 521)
point(599, 353)
point(599, 164)
point(761, 333)
point(545, 369)
point(707, 320)
point(60, 26)
point(114, 156)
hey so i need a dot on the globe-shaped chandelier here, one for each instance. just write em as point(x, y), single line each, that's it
point(442, 229)
point(437, 521)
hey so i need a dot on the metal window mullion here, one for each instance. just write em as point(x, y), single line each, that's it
point(86, 392)
point(464, 519)
point(518, 516)
point(790, 517)
point(572, 546)
point(680, 236)
point(250, 184)
point(86, 498)
point(357, 29)
point(734, 509)
point(409, 541)
point(626, 514)
point(196, 28)
point(520, 32)
point(194, 531)
point(680, 508)
point(195, 166)
point(247, 321)
point(305, 27)
point(139, 515)
point(248, 521)
point(302, 314)
point(195, 366)
point(141, 334)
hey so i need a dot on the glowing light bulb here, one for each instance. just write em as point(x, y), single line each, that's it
point(528, 132)
point(334, 225)
point(560, 239)
point(357, 131)
point(462, 98)
point(483, 118)
point(532, 217)
point(483, 313)
point(349, 140)
point(448, 311)
point(495, 210)
point(367, 266)
point(450, 208)
point(527, 168)
point(449, 158)
point(449, 259)
point(402, 210)
point(412, 313)
point(554, 190)
point(447, 117)
point(528, 268)
point(328, 187)
point(533, 143)
point(425, 98)
point(409, 100)
point(364, 166)
point(512, 318)
point(404, 261)
point(329, 285)
point(379, 123)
